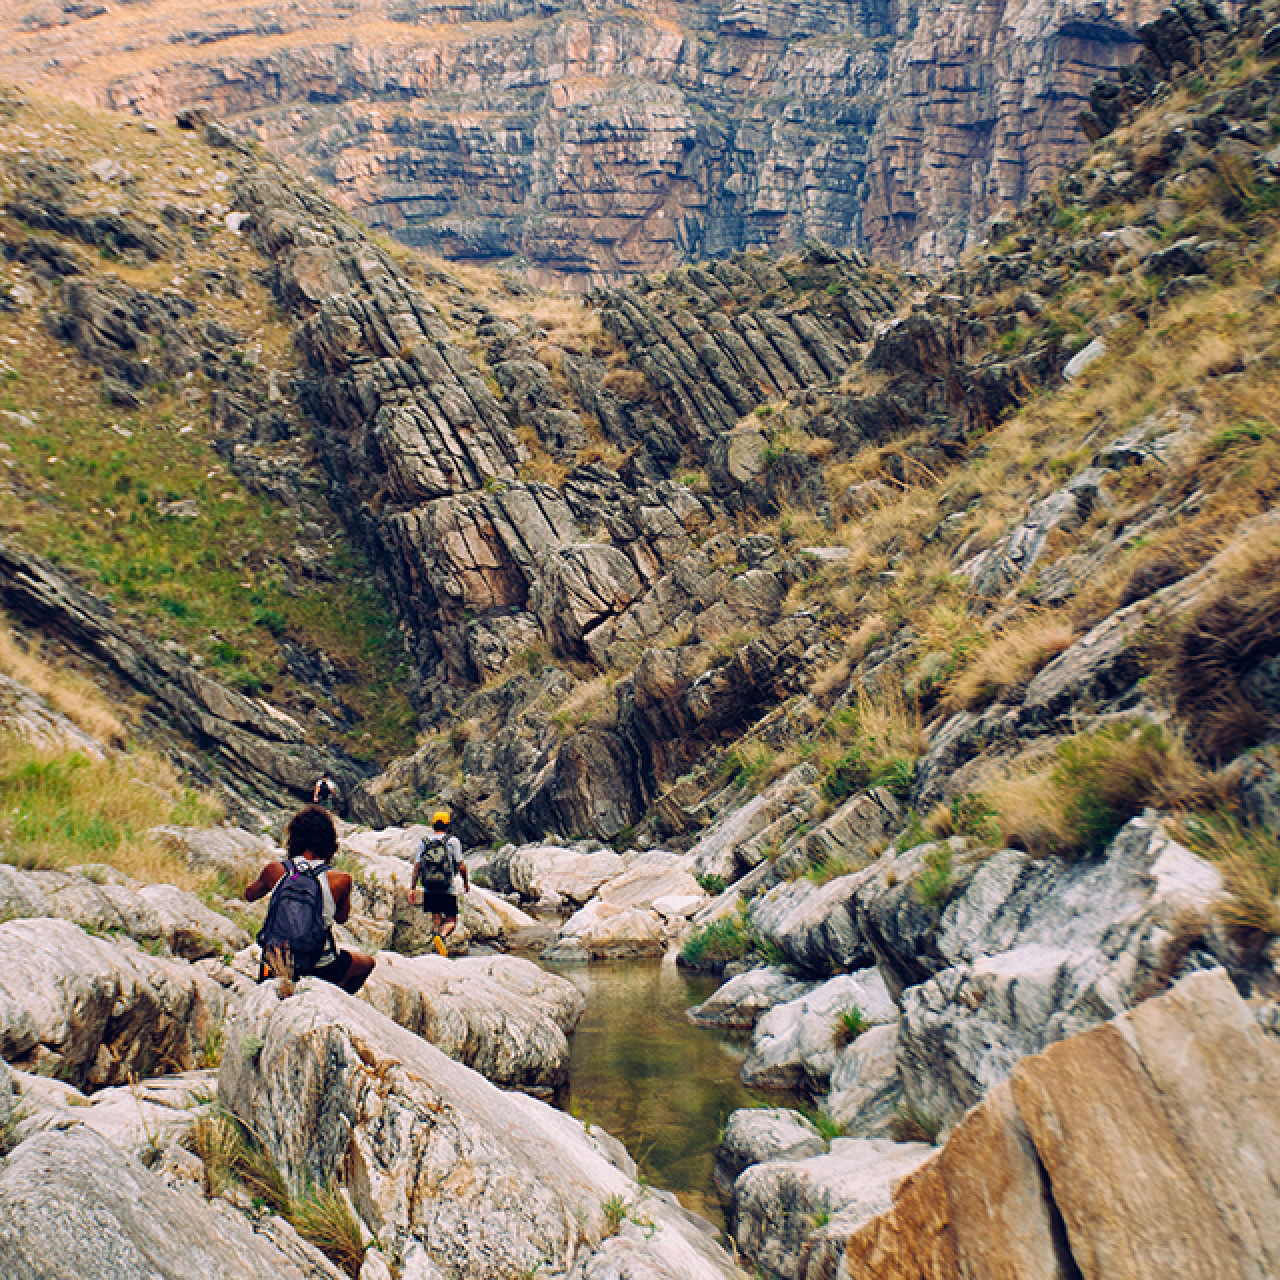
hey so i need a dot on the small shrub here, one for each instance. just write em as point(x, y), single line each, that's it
point(827, 1128)
point(251, 1048)
point(913, 1125)
point(1105, 778)
point(712, 884)
point(934, 881)
point(896, 774)
point(974, 816)
point(615, 1210)
point(828, 869)
point(716, 945)
point(214, 1045)
point(850, 1024)
point(324, 1218)
point(849, 775)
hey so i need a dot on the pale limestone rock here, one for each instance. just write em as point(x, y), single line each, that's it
point(716, 852)
point(483, 1181)
point(542, 870)
point(794, 1043)
point(654, 876)
point(758, 1135)
point(99, 1012)
point(502, 1016)
point(72, 1206)
point(740, 1002)
point(814, 924)
point(150, 914)
point(866, 1087)
point(605, 930)
point(775, 1204)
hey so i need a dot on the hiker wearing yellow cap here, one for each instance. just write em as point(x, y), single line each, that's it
point(439, 865)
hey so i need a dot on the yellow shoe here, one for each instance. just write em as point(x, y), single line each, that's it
point(438, 942)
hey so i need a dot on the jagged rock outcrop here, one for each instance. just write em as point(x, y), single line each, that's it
point(1143, 1145)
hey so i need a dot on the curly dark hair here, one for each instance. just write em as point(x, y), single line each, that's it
point(311, 833)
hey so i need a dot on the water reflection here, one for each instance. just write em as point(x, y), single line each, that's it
point(647, 1075)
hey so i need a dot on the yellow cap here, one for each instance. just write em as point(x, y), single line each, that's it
point(438, 817)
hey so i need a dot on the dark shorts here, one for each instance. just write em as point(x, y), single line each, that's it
point(335, 972)
point(440, 904)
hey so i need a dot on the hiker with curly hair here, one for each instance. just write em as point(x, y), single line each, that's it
point(307, 900)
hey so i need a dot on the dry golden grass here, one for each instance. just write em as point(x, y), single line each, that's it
point(1010, 659)
point(67, 691)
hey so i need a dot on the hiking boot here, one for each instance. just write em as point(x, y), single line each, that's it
point(438, 942)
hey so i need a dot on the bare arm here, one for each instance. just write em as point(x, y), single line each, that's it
point(267, 880)
point(340, 884)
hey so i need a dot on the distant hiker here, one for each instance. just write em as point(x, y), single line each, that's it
point(326, 793)
point(439, 863)
point(307, 900)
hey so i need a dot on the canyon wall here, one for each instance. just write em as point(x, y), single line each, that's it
point(593, 139)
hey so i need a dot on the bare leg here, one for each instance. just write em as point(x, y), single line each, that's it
point(361, 968)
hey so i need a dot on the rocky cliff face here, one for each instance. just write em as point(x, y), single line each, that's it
point(593, 140)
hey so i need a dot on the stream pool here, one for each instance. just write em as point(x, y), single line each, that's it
point(643, 1072)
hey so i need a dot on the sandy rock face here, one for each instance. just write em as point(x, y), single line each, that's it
point(503, 1016)
point(98, 1012)
point(1157, 1146)
point(73, 1206)
point(481, 1181)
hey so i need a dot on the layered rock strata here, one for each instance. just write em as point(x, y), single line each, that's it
point(599, 139)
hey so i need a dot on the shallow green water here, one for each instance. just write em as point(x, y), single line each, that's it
point(643, 1072)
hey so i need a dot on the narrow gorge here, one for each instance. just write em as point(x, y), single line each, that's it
point(857, 610)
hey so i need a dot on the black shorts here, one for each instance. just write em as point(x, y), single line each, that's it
point(440, 904)
point(336, 971)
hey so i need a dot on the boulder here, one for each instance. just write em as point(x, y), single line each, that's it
point(234, 852)
point(98, 1013)
point(755, 1135)
point(614, 932)
point(653, 878)
point(504, 1017)
point(813, 924)
point(139, 1119)
point(716, 853)
point(547, 873)
point(73, 1206)
point(155, 914)
point(741, 1001)
point(777, 1206)
point(1145, 1147)
point(866, 1087)
point(794, 1044)
point(436, 1159)
point(1036, 950)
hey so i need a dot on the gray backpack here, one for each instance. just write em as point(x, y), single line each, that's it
point(435, 864)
